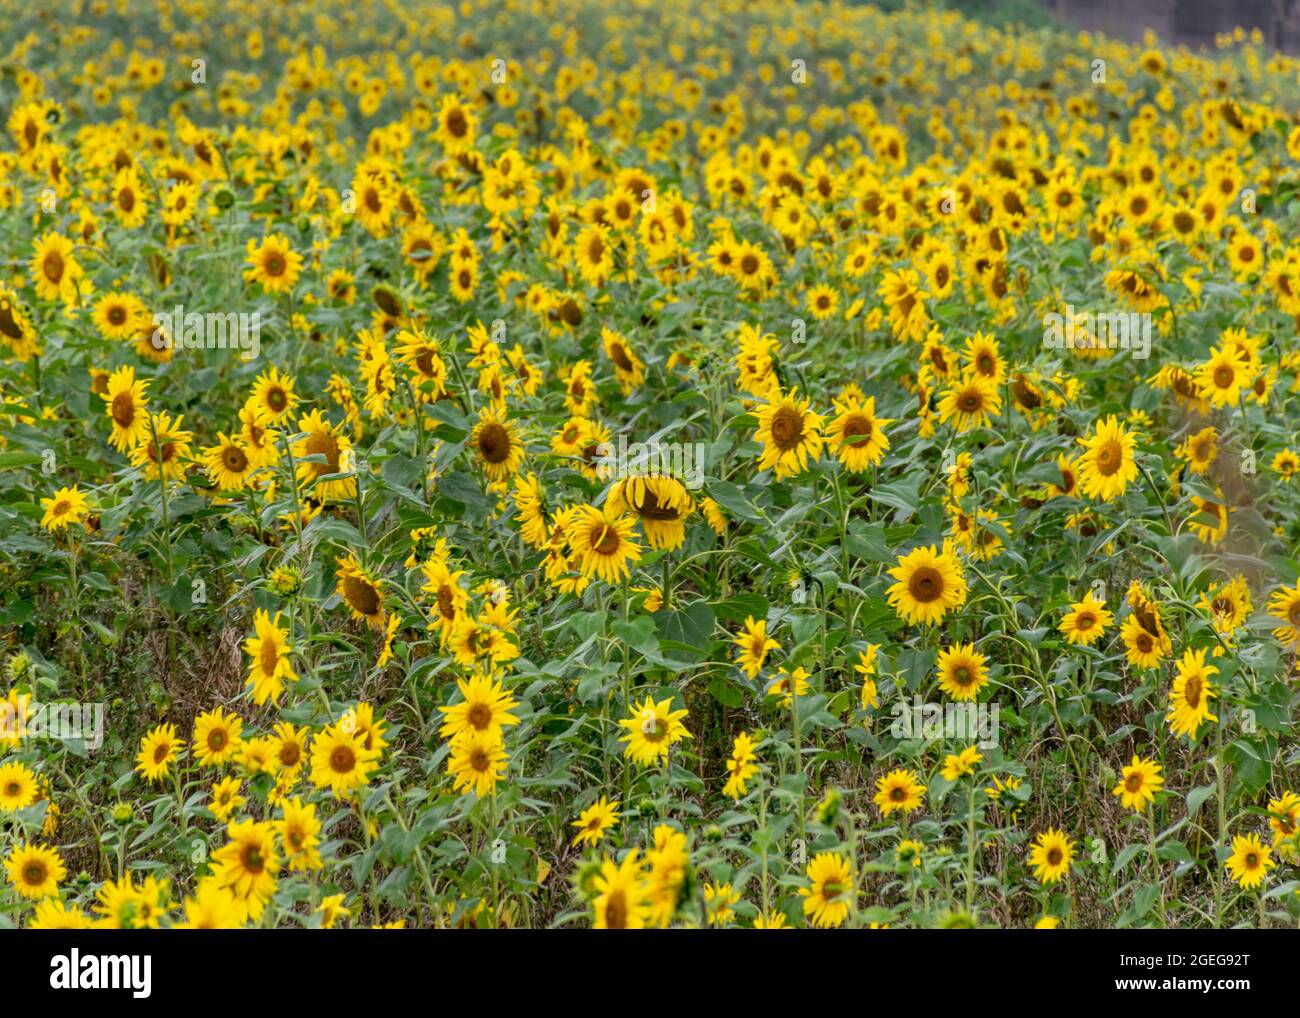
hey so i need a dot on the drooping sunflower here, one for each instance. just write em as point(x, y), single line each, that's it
point(594, 821)
point(35, 870)
point(661, 504)
point(1190, 695)
point(791, 434)
point(496, 444)
point(628, 367)
point(929, 585)
point(603, 542)
point(961, 671)
point(1051, 855)
point(165, 448)
point(273, 263)
point(1086, 621)
point(126, 407)
point(651, 730)
point(360, 591)
point(1107, 466)
point(1210, 520)
point(856, 434)
point(829, 899)
point(157, 751)
point(900, 789)
point(217, 736)
point(1139, 783)
point(270, 652)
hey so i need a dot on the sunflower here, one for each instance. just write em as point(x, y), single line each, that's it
point(822, 302)
point(929, 584)
point(1228, 605)
point(856, 434)
point(958, 765)
point(273, 263)
point(423, 355)
point(217, 736)
point(790, 433)
point(67, 505)
point(628, 367)
point(290, 745)
point(1200, 450)
point(741, 766)
point(651, 730)
point(753, 644)
point(968, 403)
point(224, 798)
point(1051, 855)
point(270, 667)
point(449, 597)
point(1250, 861)
point(1222, 375)
point(126, 407)
point(983, 358)
point(273, 397)
point(248, 865)
point(52, 914)
point(961, 671)
point(1144, 649)
point(662, 505)
point(594, 821)
point(228, 463)
point(54, 270)
point(324, 440)
point(1286, 464)
point(497, 445)
point(621, 895)
point(360, 591)
point(165, 448)
point(1086, 621)
point(212, 907)
point(456, 125)
point(603, 542)
point(129, 204)
point(1190, 695)
point(788, 685)
point(34, 870)
point(1284, 605)
point(299, 830)
point(1140, 781)
point(477, 762)
point(1107, 466)
point(16, 328)
point(117, 316)
point(157, 751)
point(830, 898)
point(18, 787)
point(593, 254)
point(485, 707)
point(900, 789)
point(340, 761)
point(1284, 821)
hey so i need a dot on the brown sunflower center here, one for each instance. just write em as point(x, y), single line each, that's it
point(361, 595)
point(342, 759)
point(926, 584)
point(787, 428)
point(494, 443)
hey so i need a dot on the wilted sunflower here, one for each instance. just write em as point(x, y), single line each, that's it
point(929, 585)
point(360, 591)
point(661, 504)
point(324, 440)
point(126, 407)
point(791, 434)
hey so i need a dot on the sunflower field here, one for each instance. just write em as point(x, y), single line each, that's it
point(552, 464)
